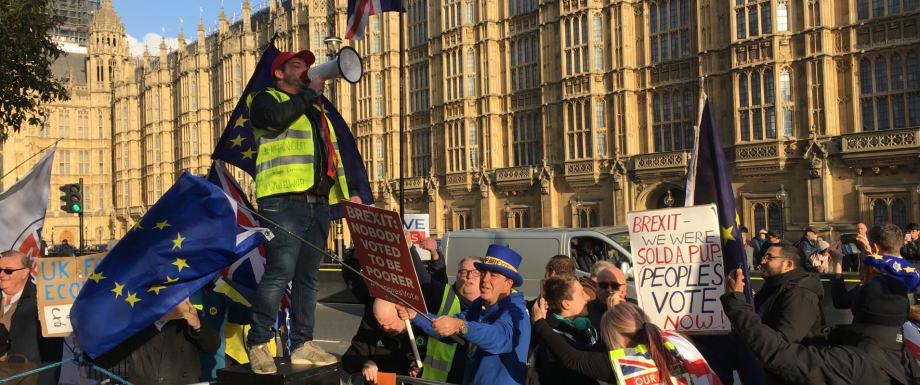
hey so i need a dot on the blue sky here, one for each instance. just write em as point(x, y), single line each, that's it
point(146, 20)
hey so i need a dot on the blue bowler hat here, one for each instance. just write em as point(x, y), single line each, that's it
point(504, 261)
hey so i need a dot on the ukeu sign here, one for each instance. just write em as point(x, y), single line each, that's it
point(679, 273)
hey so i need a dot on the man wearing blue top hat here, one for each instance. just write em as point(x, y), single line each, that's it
point(496, 326)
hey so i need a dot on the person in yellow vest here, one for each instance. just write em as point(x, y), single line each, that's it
point(298, 175)
point(444, 362)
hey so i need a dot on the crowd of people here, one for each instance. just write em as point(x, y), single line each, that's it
point(577, 328)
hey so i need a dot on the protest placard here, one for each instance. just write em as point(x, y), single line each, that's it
point(417, 226)
point(679, 273)
point(383, 252)
point(58, 282)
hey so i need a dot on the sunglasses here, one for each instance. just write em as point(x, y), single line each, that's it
point(609, 285)
point(11, 271)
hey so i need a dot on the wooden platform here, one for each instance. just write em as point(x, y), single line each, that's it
point(287, 374)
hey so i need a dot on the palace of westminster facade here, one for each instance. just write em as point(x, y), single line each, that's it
point(526, 113)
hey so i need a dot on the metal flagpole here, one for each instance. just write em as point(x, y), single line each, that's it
point(402, 112)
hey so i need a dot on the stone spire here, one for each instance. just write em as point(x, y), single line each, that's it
point(106, 19)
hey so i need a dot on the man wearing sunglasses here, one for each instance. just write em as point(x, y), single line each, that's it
point(19, 316)
point(611, 290)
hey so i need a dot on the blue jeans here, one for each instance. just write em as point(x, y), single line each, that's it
point(289, 259)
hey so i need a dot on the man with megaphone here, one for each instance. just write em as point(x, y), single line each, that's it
point(298, 175)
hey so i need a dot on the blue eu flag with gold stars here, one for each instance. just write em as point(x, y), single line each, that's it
point(709, 181)
point(183, 241)
point(237, 145)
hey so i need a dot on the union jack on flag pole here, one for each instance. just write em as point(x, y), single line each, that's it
point(359, 11)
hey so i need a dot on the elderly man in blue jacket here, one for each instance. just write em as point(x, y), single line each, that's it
point(496, 325)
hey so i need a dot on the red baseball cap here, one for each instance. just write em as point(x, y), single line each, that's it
point(283, 57)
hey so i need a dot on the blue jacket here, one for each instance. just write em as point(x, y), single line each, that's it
point(498, 340)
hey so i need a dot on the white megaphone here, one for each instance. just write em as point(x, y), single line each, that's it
point(347, 66)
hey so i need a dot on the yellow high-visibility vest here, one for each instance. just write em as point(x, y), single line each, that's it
point(285, 162)
point(439, 356)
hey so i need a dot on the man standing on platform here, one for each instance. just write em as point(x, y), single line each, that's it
point(298, 175)
point(496, 325)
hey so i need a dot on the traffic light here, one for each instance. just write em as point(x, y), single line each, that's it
point(72, 198)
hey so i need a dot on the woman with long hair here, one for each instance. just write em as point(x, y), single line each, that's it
point(630, 337)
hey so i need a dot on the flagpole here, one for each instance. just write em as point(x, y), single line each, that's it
point(29, 158)
point(402, 113)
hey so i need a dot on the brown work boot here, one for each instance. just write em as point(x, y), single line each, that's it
point(261, 360)
point(311, 354)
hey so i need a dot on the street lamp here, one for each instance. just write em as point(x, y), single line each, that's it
point(782, 196)
point(332, 49)
point(669, 199)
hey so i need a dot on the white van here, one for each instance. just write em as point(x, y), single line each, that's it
point(538, 245)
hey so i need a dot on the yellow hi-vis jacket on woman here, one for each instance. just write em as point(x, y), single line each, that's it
point(285, 162)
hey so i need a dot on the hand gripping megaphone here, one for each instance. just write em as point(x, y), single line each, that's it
point(347, 66)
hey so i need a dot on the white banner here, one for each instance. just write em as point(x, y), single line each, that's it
point(679, 273)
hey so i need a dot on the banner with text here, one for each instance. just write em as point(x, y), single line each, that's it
point(417, 226)
point(57, 282)
point(677, 257)
point(383, 252)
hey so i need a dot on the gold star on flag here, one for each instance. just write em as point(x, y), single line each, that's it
point(876, 256)
point(727, 233)
point(171, 280)
point(162, 225)
point(180, 263)
point(96, 276)
point(248, 153)
point(737, 218)
point(240, 121)
point(896, 266)
point(909, 269)
point(177, 243)
point(137, 226)
point(117, 289)
point(238, 141)
point(132, 298)
point(156, 289)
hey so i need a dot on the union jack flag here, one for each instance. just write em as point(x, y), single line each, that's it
point(359, 11)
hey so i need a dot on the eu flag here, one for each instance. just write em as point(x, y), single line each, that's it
point(709, 181)
point(237, 145)
point(183, 241)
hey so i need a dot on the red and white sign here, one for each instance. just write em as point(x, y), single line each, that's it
point(383, 252)
point(677, 254)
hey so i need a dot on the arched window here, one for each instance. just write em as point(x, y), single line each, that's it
point(766, 18)
point(862, 9)
point(785, 83)
point(879, 211)
point(760, 217)
point(881, 74)
point(782, 17)
point(775, 215)
point(899, 213)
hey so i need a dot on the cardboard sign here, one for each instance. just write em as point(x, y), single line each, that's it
point(58, 282)
point(679, 273)
point(417, 225)
point(383, 252)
